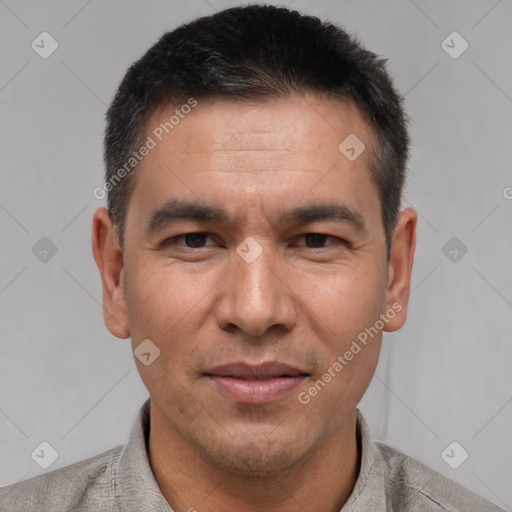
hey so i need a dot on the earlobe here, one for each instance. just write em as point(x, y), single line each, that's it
point(109, 259)
point(400, 267)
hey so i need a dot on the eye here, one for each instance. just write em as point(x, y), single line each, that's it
point(199, 240)
point(318, 240)
point(191, 240)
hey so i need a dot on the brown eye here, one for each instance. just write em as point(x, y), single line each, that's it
point(187, 241)
point(195, 240)
point(315, 240)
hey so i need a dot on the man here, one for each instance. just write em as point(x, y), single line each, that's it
point(254, 251)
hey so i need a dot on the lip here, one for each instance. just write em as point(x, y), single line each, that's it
point(255, 384)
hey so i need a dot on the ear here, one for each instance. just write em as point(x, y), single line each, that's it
point(400, 267)
point(109, 259)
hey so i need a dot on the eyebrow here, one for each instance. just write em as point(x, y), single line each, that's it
point(324, 211)
point(175, 210)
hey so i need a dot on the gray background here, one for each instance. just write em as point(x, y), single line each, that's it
point(444, 377)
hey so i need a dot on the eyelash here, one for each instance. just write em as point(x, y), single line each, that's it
point(174, 241)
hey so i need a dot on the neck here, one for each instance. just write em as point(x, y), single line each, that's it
point(322, 481)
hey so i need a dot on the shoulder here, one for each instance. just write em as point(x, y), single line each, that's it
point(81, 486)
point(411, 485)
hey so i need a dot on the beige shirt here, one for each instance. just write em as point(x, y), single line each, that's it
point(121, 480)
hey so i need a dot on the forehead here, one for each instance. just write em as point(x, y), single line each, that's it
point(303, 124)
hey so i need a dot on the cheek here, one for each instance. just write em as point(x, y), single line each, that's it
point(163, 307)
point(344, 311)
point(162, 304)
point(346, 303)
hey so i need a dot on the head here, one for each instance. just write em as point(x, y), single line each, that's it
point(256, 225)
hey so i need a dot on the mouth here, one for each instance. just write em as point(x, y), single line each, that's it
point(255, 384)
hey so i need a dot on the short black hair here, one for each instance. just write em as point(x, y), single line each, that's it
point(256, 52)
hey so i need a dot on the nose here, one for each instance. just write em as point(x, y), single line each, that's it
point(257, 296)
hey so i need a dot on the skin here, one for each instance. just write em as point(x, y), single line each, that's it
point(298, 303)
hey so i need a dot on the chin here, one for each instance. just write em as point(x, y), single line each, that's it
point(256, 456)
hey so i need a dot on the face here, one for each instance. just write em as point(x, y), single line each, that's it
point(254, 259)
